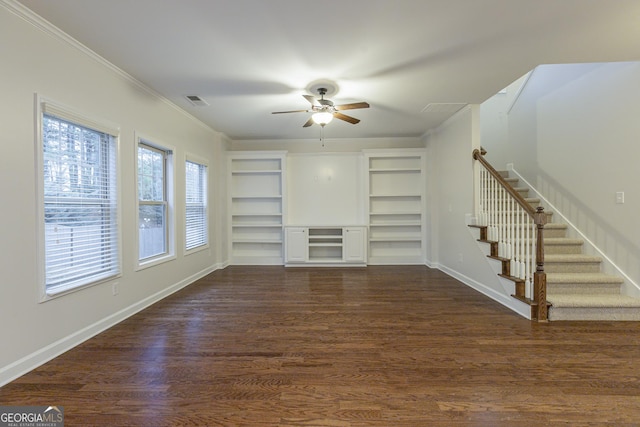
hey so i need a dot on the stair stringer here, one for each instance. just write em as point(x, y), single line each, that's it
point(629, 287)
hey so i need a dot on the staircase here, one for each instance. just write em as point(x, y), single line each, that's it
point(576, 287)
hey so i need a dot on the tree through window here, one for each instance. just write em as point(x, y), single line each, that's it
point(80, 204)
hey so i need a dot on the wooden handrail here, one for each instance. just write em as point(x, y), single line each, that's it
point(477, 155)
point(540, 219)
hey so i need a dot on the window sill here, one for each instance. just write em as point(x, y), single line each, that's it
point(197, 249)
point(61, 290)
point(152, 262)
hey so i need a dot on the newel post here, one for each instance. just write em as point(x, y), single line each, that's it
point(540, 277)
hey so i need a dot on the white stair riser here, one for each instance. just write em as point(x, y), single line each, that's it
point(554, 232)
point(601, 313)
point(563, 249)
point(571, 267)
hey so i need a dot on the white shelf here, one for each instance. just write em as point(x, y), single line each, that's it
point(257, 225)
point(396, 199)
point(392, 170)
point(256, 189)
point(269, 241)
point(250, 214)
point(256, 196)
point(385, 160)
point(257, 172)
point(395, 195)
point(395, 223)
point(395, 239)
point(391, 213)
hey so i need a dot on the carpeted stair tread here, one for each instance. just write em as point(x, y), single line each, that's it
point(593, 301)
point(586, 278)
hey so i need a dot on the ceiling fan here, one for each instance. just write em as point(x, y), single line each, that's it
point(324, 110)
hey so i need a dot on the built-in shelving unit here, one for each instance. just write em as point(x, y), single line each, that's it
point(256, 191)
point(396, 206)
point(327, 245)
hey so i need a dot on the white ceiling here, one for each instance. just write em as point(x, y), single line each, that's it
point(247, 58)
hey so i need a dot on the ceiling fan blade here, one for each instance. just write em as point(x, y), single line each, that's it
point(346, 118)
point(308, 123)
point(293, 111)
point(352, 106)
point(311, 99)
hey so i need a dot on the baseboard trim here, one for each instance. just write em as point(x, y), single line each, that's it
point(45, 354)
point(513, 304)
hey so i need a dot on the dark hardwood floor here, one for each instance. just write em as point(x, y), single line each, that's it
point(375, 346)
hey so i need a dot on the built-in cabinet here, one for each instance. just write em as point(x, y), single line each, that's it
point(257, 199)
point(396, 183)
point(327, 245)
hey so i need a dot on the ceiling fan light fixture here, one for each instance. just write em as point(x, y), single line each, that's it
point(322, 118)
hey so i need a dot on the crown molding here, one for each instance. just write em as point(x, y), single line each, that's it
point(47, 27)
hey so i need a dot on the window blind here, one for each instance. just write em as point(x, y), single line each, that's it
point(196, 205)
point(80, 204)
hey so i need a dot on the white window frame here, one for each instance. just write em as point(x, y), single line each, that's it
point(170, 167)
point(190, 158)
point(44, 106)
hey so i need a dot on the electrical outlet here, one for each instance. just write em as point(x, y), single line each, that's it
point(115, 289)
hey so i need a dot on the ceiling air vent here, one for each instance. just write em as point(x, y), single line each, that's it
point(444, 108)
point(196, 101)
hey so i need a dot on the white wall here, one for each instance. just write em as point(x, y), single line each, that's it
point(494, 124)
point(325, 189)
point(493, 129)
point(36, 60)
point(450, 169)
point(575, 135)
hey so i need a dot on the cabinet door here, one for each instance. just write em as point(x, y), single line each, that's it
point(296, 245)
point(354, 244)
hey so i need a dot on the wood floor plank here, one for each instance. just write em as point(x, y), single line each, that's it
point(376, 346)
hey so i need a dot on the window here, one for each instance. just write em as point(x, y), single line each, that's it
point(80, 207)
point(196, 230)
point(154, 189)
